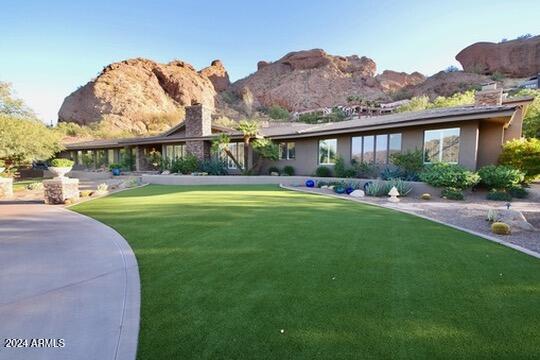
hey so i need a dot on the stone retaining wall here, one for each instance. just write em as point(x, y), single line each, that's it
point(418, 187)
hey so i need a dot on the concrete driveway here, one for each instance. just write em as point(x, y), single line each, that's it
point(69, 286)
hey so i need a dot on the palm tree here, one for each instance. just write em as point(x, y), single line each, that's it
point(249, 129)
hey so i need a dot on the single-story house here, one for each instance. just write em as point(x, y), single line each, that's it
point(468, 135)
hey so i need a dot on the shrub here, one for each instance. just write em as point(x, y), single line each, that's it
point(500, 228)
point(323, 171)
point(402, 187)
point(445, 175)
point(288, 170)
point(524, 155)
point(321, 183)
point(377, 188)
point(452, 194)
point(85, 193)
point(425, 196)
point(61, 163)
point(498, 195)
point(274, 169)
point(365, 170)
point(518, 192)
point(411, 163)
point(115, 166)
point(185, 165)
point(276, 112)
point(102, 187)
point(214, 167)
point(35, 186)
point(500, 177)
point(341, 170)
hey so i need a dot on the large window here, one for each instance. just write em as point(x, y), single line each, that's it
point(237, 149)
point(375, 148)
point(110, 156)
point(441, 145)
point(287, 150)
point(174, 151)
point(327, 151)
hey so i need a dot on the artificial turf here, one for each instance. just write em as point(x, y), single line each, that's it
point(225, 269)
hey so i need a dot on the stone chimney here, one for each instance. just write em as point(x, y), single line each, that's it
point(489, 95)
point(198, 121)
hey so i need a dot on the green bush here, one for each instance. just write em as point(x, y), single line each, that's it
point(323, 171)
point(214, 167)
point(365, 170)
point(445, 175)
point(518, 192)
point(402, 187)
point(499, 195)
point(115, 166)
point(61, 163)
point(276, 112)
point(377, 188)
point(185, 165)
point(411, 163)
point(341, 170)
point(524, 155)
point(288, 170)
point(500, 176)
point(452, 194)
point(274, 169)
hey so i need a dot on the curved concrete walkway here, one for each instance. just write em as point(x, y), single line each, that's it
point(66, 276)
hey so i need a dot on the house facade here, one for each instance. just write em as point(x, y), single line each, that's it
point(471, 136)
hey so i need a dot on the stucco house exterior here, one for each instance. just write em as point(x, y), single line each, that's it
point(471, 136)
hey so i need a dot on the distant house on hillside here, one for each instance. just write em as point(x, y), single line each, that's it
point(532, 83)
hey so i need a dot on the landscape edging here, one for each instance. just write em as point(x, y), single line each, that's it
point(472, 232)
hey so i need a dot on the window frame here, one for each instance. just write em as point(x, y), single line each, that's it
point(373, 159)
point(287, 147)
point(441, 145)
point(328, 152)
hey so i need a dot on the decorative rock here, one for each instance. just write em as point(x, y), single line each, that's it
point(6, 187)
point(513, 218)
point(166, 172)
point(394, 193)
point(500, 228)
point(57, 191)
point(358, 193)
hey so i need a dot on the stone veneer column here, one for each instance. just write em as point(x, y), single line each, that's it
point(6, 187)
point(198, 124)
point(58, 190)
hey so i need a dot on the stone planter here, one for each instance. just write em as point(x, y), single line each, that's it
point(60, 189)
point(59, 172)
point(6, 187)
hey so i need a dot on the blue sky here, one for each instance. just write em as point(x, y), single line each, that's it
point(49, 48)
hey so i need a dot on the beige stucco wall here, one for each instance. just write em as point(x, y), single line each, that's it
point(412, 138)
point(490, 143)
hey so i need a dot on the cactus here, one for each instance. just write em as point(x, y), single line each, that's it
point(500, 228)
point(425, 196)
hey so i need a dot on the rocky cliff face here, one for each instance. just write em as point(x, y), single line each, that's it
point(312, 78)
point(141, 95)
point(515, 58)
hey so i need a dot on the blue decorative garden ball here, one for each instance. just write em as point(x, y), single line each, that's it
point(339, 189)
point(116, 171)
point(310, 183)
point(349, 190)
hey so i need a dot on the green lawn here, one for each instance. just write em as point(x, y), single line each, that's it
point(225, 269)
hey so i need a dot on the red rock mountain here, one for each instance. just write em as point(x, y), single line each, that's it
point(312, 78)
point(515, 58)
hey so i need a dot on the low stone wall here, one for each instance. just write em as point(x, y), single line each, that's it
point(83, 174)
point(418, 187)
point(6, 187)
point(58, 190)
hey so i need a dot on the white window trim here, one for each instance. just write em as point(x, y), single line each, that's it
point(373, 161)
point(287, 148)
point(319, 152)
point(440, 146)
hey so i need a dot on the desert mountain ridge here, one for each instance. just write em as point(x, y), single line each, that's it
point(143, 96)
